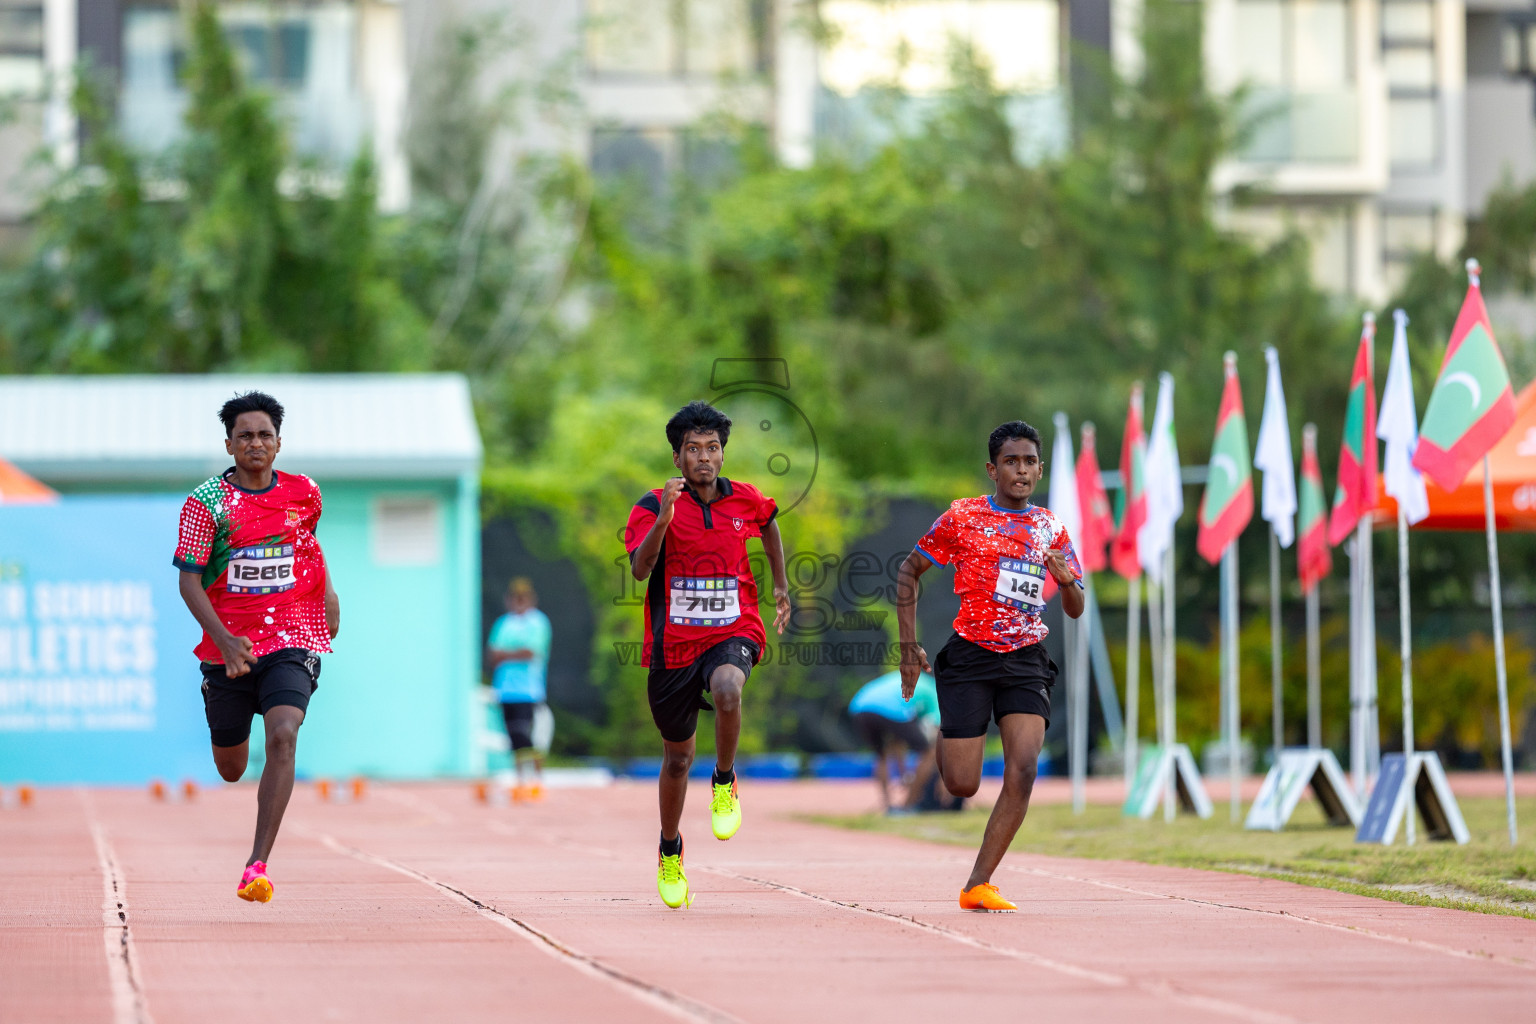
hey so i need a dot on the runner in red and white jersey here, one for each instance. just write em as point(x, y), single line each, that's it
point(1005, 550)
point(703, 633)
point(254, 577)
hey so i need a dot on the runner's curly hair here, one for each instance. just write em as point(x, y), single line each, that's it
point(1013, 430)
point(251, 401)
point(697, 418)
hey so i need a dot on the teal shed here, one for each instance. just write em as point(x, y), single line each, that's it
point(397, 458)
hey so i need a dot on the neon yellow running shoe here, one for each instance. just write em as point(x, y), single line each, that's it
point(672, 880)
point(725, 810)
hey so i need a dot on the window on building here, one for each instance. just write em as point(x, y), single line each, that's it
point(304, 54)
point(1405, 236)
point(649, 158)
point(21, 48)
point(1408, 57)
point(1326, 229)
point(1296, 58)
point(908, 44)
point(676, 38)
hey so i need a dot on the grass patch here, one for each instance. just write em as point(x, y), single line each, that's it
point(1487, 875)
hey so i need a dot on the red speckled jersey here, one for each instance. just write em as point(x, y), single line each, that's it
point(1000, 574)
point(702, 590)
point(260, 562)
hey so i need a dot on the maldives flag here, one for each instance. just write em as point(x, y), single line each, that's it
point(1472, 406)
point(1314, 556)
point(1355, 494)
point(1124, 555)
point(1098, 524)
point(1227, 505)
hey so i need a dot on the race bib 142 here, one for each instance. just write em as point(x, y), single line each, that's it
point(1020, 583)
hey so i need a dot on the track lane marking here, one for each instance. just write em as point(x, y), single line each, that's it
point(664, 999)
point(1480, 956)
point(1105, 978)
point(129, 1003)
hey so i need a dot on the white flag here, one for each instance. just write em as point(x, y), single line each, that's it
point(1274, 457)
point(1397, 426)
point(1165, 488)
point(1062, 500)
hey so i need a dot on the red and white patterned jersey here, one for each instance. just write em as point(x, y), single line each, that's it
point(260, 563)
point(1000, 573)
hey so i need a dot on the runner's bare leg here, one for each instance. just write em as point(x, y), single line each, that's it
point(276, 786)
point(1023, 736)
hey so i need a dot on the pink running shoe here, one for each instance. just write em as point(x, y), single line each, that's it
point(255, 886)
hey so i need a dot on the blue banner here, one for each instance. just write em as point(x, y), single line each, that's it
point(98, 683)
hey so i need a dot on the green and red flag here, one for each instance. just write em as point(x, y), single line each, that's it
point(1355, 494)
point(1227, 505)
point(1314, 556)
point(1098, 522)
point(1124, 554)
point(1472, 406)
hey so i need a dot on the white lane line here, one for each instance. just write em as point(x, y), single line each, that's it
point(1480, 956)
point(673, 1003)
point(1222, 1007)
point(129, 1005)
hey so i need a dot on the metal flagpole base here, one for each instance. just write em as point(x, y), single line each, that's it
point(1297, 770)
point(1161, 769)
point(1421, 778)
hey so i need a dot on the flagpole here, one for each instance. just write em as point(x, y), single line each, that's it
point(1314, 651)
point(1274, 642)
point(1405, 646)
point(1169, 645)
point(1356, 727)
point(1132, 681)
point(1498, 649)
point(1229, 664)
point(1370, 711)
point(1079, 720)
point(1314, 675)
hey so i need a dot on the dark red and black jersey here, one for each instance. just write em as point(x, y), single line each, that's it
point(701, 590)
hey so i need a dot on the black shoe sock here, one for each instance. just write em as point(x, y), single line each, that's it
point(672, 847)
point(726, 779)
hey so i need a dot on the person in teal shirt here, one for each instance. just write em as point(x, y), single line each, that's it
point(517, 654)
point(891, 726)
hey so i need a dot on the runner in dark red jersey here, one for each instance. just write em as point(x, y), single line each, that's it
point(1005, 551)
point(255, 579)
point(703, 632)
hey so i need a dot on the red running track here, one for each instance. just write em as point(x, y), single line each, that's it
point(418, 904)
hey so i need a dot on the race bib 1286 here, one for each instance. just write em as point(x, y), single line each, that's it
point(1019, 583)
point(704, 601)
point(260, 570)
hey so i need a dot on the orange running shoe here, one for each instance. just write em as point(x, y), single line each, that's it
point(985, 898)
point(255, 886)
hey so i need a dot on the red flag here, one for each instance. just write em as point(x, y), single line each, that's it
point(1098, 524)
point(1356, 492)
point(1227, 505)
point(1472, 406)
point(1124, 552)
point(1314, 558)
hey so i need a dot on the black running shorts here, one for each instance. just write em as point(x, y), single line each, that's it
point(976, 684)
point(677, 694)
point(518, 716)
point(287, 676)
point(879, 732)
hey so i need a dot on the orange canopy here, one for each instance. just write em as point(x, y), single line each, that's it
point(16, 488)
point(1513, 461)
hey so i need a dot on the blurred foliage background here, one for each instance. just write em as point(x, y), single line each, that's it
point(920, 292)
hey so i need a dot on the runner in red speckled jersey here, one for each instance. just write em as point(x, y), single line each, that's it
point(254, 577)
point(1007, 553)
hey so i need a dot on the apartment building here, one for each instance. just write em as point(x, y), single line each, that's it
point(335, 69)
point(1380, 126)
